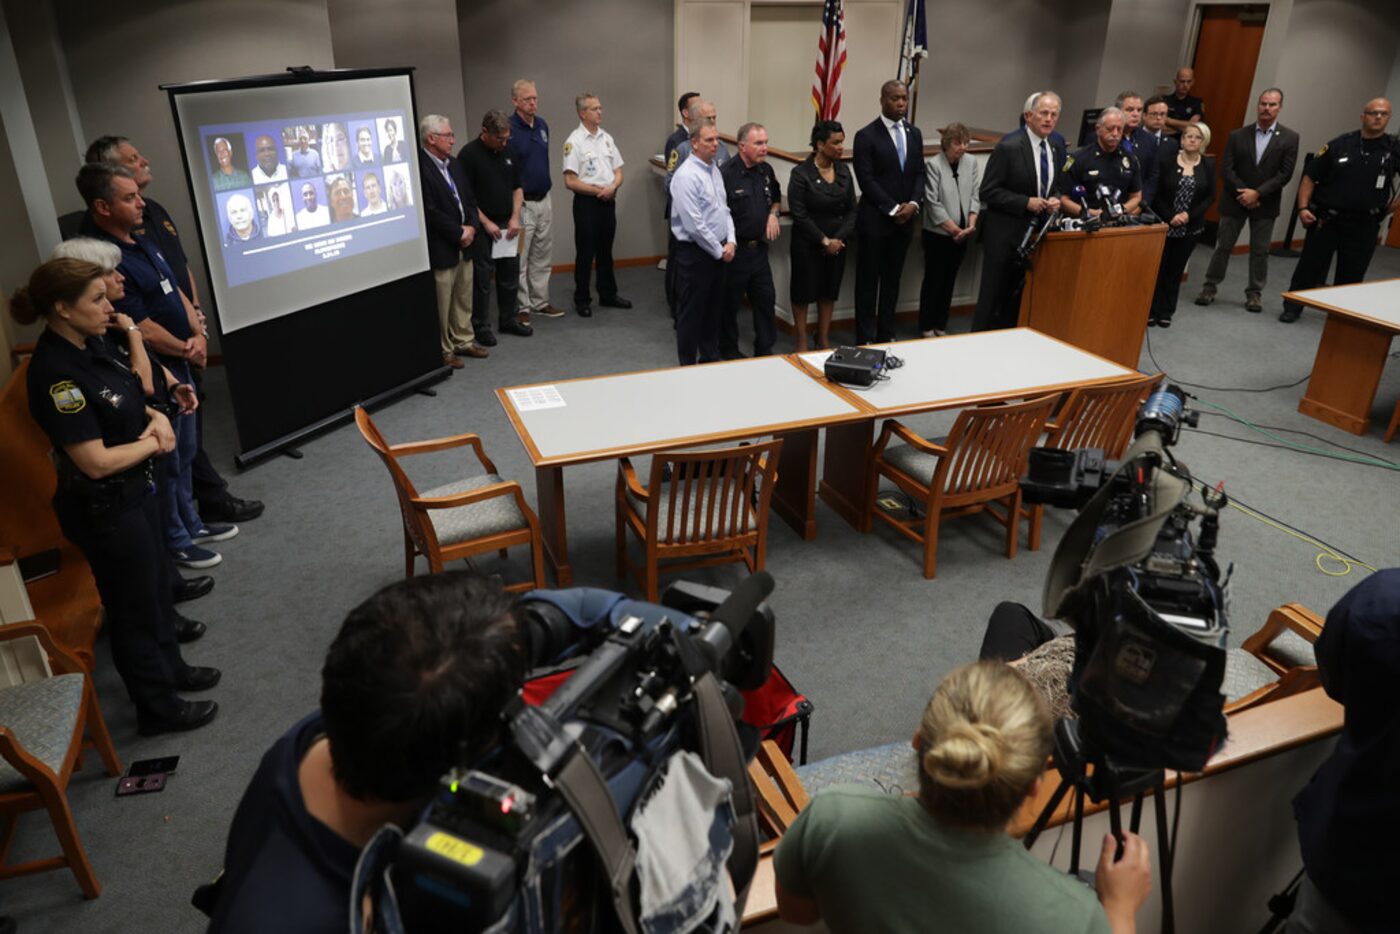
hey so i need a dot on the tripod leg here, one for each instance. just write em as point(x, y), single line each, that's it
point(1115, 825)
point(1078, 831)
point(1164, 856)
point(1135, 821)
point(1046, 812)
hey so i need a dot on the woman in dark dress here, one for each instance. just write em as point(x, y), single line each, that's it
point(822, 198)
point(1185, 190)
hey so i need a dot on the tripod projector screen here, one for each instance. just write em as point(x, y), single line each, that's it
point(305, 192)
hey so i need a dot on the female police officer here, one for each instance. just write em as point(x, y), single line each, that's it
point(91, 405)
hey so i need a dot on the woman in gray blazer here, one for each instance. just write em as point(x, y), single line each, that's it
point(950, 216)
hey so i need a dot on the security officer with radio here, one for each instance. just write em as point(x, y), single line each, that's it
point(1105, 170)
point(89, 401)
point(754, 200)
point(1345, 192)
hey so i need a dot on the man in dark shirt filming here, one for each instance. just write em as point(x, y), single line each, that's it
point(754, 199)
point(494, 172)
point(413, 684)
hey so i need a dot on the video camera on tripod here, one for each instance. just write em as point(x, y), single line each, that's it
point(640, 746)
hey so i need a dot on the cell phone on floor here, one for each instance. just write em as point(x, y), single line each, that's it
point(140, 784)
point(163, 766)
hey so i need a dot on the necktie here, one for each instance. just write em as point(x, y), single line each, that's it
point(899, 141)
point(1044, 169)
point(461, 212)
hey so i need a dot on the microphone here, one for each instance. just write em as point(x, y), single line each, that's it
point(1108, 197)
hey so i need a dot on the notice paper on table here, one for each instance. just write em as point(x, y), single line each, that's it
point(506, 247)
point(534, 398)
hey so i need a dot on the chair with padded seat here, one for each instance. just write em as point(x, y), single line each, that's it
point(1094, 417)
point(42, 728)
point(978, 469)
point(712, 510)
point(471, 516)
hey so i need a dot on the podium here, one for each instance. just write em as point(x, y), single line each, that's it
point(1094, 290)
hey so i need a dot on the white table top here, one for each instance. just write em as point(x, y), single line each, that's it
point(947, 372)
point(633, 413)
point(1378, 302)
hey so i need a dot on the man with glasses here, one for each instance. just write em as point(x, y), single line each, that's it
point(450, 212)
point(1344, 194)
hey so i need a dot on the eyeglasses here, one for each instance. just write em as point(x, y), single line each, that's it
point(1376, 113)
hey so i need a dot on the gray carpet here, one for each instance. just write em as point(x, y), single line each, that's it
point(859, 630)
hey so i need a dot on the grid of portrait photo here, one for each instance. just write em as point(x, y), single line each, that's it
point(272, 179)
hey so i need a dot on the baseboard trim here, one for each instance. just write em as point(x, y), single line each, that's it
point(617, 263)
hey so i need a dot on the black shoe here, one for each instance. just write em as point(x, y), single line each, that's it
point(1152, 322)
point(197, 678)
point(584, 311)
point(191, 716)
point(615, 301)
point(188, 630)
point(1164, 322)
point(229, 509)
point(516, 328)
point(486, 338)
point(192, 588)
point(1291, 313)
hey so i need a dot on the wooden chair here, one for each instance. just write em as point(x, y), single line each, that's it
point(467, 517)
point(1094, 417)
point(713, 510)
point(980, 465)
point(1291, 674)
point(778, 791)
point(42, 725)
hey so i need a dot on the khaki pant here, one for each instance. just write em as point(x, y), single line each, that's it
point(454, 302)
point(536, 252)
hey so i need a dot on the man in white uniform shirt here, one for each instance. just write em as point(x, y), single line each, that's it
point(593, 172)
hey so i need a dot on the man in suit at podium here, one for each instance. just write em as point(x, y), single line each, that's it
point(1258, 162)
point(889, 166)
point(1019, 184)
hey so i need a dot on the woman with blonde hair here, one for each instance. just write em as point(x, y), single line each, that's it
point(862, 860)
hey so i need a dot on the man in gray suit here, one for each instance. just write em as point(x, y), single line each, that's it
point(1259, 161)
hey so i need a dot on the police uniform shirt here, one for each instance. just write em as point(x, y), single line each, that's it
point(1354, 175)
point(531, 147)
point(673, 143)
point(593, 157)
point(1092, 167)
point(82, 394)
point(1184, 109)
point(494, 176)
point(752, 192)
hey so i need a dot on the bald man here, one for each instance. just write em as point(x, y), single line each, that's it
point(1182, 108)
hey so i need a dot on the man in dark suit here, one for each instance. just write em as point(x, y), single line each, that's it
point(1258, 162)
point(889, 166)
point(1018, 184)
point(451, 216)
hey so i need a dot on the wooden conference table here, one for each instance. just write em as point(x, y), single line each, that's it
point(579, 421)
point(1361, 321)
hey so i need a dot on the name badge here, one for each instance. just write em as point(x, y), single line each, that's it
point(166, 287)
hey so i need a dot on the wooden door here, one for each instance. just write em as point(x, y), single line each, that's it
point(1227, 51)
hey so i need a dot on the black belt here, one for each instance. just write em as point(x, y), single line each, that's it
point(750, 244)
point(539, 197)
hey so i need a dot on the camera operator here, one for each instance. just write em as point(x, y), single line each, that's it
point(1349, 813)
point(412, 685)
point(867, 861)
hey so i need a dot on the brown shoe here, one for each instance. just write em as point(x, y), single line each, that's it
point(473, 350)
point(550, 311)
point(452, 361)
point(522, 317)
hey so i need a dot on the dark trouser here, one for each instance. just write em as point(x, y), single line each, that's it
point(671, 242)
point(595, 223)
point(1352, 239)
point(1175, 255)
point(749, 274)
point(699, 292)
point(126, 550)
point(1260, 230)
point(999, 295)
point(879, 264)
point(942, 259)
point(507, 271)
point(1012, 632)
point(209, 487)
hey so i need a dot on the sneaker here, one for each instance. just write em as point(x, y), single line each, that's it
point(214, 532)
point(1252, 302)
point(196, 557)
point(1206, 296)
point(550, 311)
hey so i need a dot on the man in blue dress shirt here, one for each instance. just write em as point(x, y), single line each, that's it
point(704, 234)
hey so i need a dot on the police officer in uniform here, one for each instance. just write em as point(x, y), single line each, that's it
point(1104, 163)
point(1344, 193)
point(755, 198)
point(593, 172)
point(90, 402)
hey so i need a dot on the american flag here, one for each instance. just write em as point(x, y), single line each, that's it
point(831, 61)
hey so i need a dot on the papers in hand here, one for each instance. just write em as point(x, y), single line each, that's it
point(506, 247)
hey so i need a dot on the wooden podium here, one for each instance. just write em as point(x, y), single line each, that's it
point(1094, 290)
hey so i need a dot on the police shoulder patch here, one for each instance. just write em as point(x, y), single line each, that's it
point(1323, 150)
point(671, 162)
point(170, 228)
point(67, 397)
point(1069, 162)
point(568, 148)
